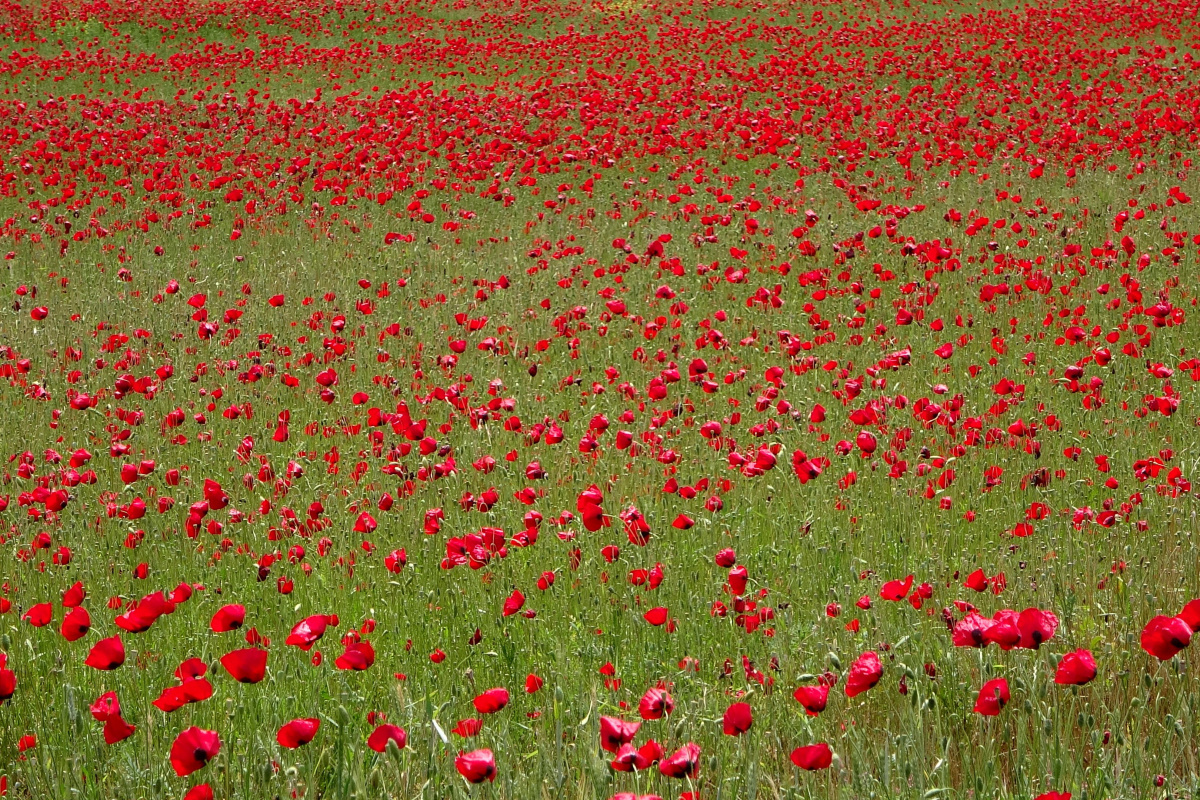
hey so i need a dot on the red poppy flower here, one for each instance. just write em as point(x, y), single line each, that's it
point(616, 732)
point(192, 749)
point(396, 560)
point(117, 729)
point(228, 618)
point(655, 703)
point(74, 596)
point(656, 616)
point(513, 603)
point(977, 581)
point(813, 698)
point(8, 680)
point(477, 766)
point(992, 697)
point(1191, 615)
point(896, 590)
point(358, 656)
point(298, 732)
point(307, 631)
point(39, 615)
point(683, 763)
point(1004, 630)
point(491, 701)
point(76, 624)
point(971, 631)
point(1076, 668)
point(1036, 627)
point(865, 672)
point(201, 792)
point(106, 706)
point(1163, 637)
point(248, 665)
point(468, 727)
point(385, 733)
point(106, 654)
point(629, 758)
point(737, 719)
point(813, 757)
point(533, 683)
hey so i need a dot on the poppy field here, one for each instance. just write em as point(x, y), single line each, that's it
point(698, 399)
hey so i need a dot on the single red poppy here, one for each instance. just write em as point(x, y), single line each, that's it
point(1164, 636)
point(737, 720)
point(106, 654)
point(683, 763)
point(1036, 627)
point(358, 656)
point(248, 665)
point(491, 701)
point(228, 618)
point(117, 729)
point(307, 631)
point(39, 615)
point(812, 698)
point(468, 727)
point(192, 749)
point(477, 766)
point(813, 757)
point(298, 732)
point(1076, 668)
point(200, 792)
point(993, 696)
point(655, 703)
point(76, 624)
point(385, 733)
point(865, 672)
point(616, 732)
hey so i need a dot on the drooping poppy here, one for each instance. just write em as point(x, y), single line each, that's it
point(491, 701)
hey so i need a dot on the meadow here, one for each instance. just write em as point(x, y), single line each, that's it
point(698, 399)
